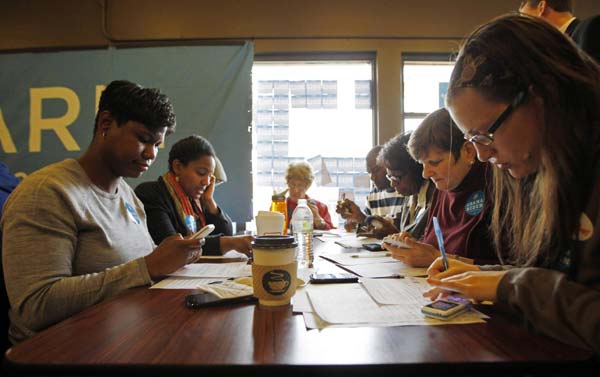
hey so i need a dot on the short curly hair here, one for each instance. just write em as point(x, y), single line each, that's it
point(301, 171)
point(189, 149)
point(127, 101)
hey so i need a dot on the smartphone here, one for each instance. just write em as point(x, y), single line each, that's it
point(395, 242)
point(333, 278)
point(203, 300)
point(373, 247)
point(446, 308)
point(203, 232)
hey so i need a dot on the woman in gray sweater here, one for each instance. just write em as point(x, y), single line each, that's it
point(74, 233)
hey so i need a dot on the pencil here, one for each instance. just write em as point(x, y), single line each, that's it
point(440, 240)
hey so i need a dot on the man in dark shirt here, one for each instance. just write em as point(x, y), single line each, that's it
point(559, 13)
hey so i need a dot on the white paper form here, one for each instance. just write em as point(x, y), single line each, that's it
point(351, 241)
point(353, 259)
point(350, 304)
point(181, 283)
point(300, 302)
point(380, 270)
point(214, 270)
point(397, 291)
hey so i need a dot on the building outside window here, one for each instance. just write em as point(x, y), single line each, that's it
point(315, 111)
point(425, 83)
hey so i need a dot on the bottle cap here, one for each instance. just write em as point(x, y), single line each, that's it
point(279, 196)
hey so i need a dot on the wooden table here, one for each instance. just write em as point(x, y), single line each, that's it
point(151, 332)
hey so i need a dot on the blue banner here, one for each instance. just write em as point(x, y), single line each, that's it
point(48, 102)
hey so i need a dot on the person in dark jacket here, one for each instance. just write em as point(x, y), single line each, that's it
point(8, 182)
point(181, 201)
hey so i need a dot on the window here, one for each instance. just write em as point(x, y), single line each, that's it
point(314, 111)
point(425, 83)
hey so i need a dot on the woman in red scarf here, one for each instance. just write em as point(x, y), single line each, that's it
point(181, 201)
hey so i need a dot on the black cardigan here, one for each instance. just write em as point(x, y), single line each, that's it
point(163, 220)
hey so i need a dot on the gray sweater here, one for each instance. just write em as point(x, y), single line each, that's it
point(68, 245)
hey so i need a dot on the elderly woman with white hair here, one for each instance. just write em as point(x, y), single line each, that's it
point(299, 177)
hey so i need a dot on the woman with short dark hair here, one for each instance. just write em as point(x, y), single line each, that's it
point(181, 201)
point(461, 201)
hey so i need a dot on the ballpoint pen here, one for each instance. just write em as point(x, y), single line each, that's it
point(440, 240)
point(393, 276)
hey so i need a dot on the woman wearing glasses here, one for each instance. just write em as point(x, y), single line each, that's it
point(461, 202)
point(181, 201)
point(531, 107)
point(406, 177)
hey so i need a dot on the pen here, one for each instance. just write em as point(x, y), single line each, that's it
point(440, 240)
point(393, 276)
point(372, 255)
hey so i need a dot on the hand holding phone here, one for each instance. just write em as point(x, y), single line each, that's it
point(333, 278)
point(202, 233)
point(446, 308)
point(203, 300)
point(373, 246)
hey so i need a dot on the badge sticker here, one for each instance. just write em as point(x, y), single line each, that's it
point(475, 203)
point(190, 223)
point(133, 215)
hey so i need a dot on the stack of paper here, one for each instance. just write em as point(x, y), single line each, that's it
point(381, 302)
point(196, 275)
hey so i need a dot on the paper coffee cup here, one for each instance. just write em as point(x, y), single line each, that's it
point(274, 269)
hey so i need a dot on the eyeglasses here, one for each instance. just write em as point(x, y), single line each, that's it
point(297, 185)
point(394, 178)
point(487, 138)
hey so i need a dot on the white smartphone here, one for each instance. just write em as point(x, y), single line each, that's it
point(446, 308)
point(203, 232)
point(395, 242)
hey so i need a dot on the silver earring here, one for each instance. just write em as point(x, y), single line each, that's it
point(177, 178)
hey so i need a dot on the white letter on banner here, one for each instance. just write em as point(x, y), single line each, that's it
point(5, 140)
point(37, 124)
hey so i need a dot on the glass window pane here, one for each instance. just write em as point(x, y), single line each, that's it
point(318, 112)
point(410, 124)
point(425, 85)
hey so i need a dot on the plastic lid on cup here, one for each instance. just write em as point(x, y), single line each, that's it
point(274, 242)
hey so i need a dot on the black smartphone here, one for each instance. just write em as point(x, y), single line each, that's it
point(333, 278)
point(203, 300)
point(373, 247)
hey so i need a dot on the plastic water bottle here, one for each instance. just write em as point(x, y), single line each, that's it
point(302, 227)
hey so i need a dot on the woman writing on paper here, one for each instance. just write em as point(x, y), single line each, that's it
point(529, 101)
point(461, 202)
